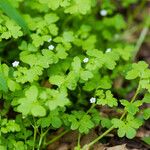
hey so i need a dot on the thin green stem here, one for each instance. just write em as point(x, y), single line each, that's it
point(34, 137)
point(42, 135)
point(136, 93)
point(132, 100)
point(57, 137)
point(79, 137)
point(40, 141)
point(110, 129)
point(35, 127)
point(97, 139)
point(93, 105)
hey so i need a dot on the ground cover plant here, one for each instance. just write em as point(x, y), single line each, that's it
point(62, 62)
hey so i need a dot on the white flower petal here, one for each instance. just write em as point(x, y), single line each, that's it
point(92, 100)
point(15, 63)
point(103, 12)
point(108, 50)
point(50, 47)
point(85, 60)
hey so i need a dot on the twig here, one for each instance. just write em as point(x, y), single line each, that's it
point(140, 41)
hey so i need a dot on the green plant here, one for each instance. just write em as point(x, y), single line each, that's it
point(58, 65)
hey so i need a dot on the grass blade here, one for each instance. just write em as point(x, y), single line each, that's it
point(11, 12)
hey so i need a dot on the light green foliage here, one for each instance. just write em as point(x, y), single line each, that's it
point(138, 70)
point(72, 66)
point(125, 52)
point(37, 63)
point(56, 99)
point(8, 9)
point(81, 121)
point(3, 83)
point(13, 31)
point(23, 74)
point(127, 128)
point(3, 147)
point(79, 6)
point(116, 21)
point(30, 104)
point(7, 79)
point(146, 113)
point(34, 101)
point(55, 4)
point(107, 99)
point(106, 123)
point(9, 126)
point(101, 59)
point(57, 80)
point(52, 119)
point(39, 40)
point(146, 140)
point(131, 108)
point(146, 98)
point(98, 82)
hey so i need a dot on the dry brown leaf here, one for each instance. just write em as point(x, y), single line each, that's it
point(99, 147)
point(118, 147)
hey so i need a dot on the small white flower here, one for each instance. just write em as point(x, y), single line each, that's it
point(108, 50)
point(103, 12)
point(92, 100)
point(50, 47)
point(15, 63)
point(85, 60)
point(49, 40)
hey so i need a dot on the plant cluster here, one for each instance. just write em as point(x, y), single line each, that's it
point(59, 63)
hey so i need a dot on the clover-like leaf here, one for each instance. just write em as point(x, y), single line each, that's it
point(38, 110)
point(81, 121)
point(53, 119)
point(58, 98)
point(125, 52)
point(76, 64)
point(146, 113)
point(108, 100)
point(85, 75)
point(9, 126)
point(30, 104)
point(57, 80)
point(146, 98)
point(79, 6)
point(137, 70)
point(3, 82)
point(124, 128)
point(131, 108)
